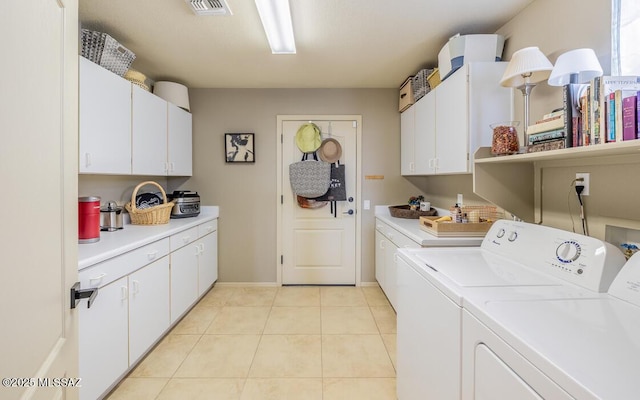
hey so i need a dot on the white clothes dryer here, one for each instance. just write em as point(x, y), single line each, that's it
point(556, 347)
point(433, 283)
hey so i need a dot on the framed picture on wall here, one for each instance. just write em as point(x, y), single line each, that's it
point(239, 148)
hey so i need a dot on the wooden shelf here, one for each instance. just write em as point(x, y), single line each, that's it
point(602, 150)
point(512, 182)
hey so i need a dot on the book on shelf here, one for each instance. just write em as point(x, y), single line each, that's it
point(629, 114)
point(548, 145)
point(638, 115)
point(595, 111)
point(572, 115)
point(546, 125)
point(555, 113)
point(584, 137)
point(544, 136)
point(606, 103)
point(610, 107)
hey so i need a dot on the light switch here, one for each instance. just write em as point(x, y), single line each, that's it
point(367, 204)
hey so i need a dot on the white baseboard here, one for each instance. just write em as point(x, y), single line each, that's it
point(274, 284)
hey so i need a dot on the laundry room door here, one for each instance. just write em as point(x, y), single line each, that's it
point(318, 247)
point(39, 163)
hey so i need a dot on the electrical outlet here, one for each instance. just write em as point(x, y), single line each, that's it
point(584, 183)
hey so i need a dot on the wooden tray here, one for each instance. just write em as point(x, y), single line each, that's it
point(452, 229)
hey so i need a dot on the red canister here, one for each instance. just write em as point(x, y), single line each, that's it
point(88, 219)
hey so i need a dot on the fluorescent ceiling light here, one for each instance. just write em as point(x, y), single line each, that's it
point(276, 20)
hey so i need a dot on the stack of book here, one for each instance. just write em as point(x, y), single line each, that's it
point(548, 133)
point(608, 111)
point(615, 117)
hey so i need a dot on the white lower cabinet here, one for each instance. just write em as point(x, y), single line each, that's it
point(103, 339)
point(388, 241)
point(207, 261)
point(148, 307)
point(184, 272)
point(141, 293)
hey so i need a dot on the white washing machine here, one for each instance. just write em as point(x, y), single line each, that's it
point(525, 346)
point(433, 283)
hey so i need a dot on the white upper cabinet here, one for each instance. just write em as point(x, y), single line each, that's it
point(180, 141)
point(105, 121)
point(407, 137)
point(149, 133)
point(452, 121)
point(126, 130)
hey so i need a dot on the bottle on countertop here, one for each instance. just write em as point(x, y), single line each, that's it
point(458, 214)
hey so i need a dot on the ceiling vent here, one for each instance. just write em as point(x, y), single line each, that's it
point(209, 7)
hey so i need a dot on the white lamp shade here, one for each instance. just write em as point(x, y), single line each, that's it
point(527, 65)
point(173, 93)
point(581, 64)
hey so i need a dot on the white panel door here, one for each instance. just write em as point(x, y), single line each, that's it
point(319, 248)
point(407, 141)
point(452, 124)
point(148, 306)
point(105, 121)
point(180, 141)
point(148, 133)
point(425, 134)
point(104, 339)
point(184, 279)
point(38, 160)
point(207, 261)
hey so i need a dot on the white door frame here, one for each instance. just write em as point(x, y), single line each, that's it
point(279, 191)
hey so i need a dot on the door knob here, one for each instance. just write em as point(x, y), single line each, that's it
point(350, 212)
point(350, 199)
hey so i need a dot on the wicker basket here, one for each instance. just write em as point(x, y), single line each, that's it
point(405, 211)
point(155, 215)
point(137, 78)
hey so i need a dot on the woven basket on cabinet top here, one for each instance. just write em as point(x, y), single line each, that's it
point(155, 215)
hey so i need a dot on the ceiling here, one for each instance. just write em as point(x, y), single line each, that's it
point(340, 43)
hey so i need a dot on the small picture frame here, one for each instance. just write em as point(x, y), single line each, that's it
point(239, 148)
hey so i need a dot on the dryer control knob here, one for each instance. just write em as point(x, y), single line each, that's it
point(568, 251)
point(513, 236)
point(501, 233)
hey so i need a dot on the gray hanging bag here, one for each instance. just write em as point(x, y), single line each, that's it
point(310, 178)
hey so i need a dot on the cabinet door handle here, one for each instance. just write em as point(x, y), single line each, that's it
point(185, 239)
point(97, 278)
point(136, 287)
point(87, 159)
point(197, 250)
point(124, 293)
point(208, 228)
point(382, 244)
point(412, 166)
point(152, 255)
point(172, 166)
point(201, 248)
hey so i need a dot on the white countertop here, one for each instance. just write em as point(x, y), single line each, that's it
point(411, 229)
point(112, 244)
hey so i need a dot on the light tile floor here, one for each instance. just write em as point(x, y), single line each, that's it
point(287, 343)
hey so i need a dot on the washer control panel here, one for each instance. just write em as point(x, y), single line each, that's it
point(579, 259)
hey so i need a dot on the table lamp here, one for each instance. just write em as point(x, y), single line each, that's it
point(573, 70)
point(575, 66)
point(527, 67)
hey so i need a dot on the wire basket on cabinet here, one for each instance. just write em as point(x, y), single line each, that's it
point(155, 215)
point(421, 84)
point(105, 51)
